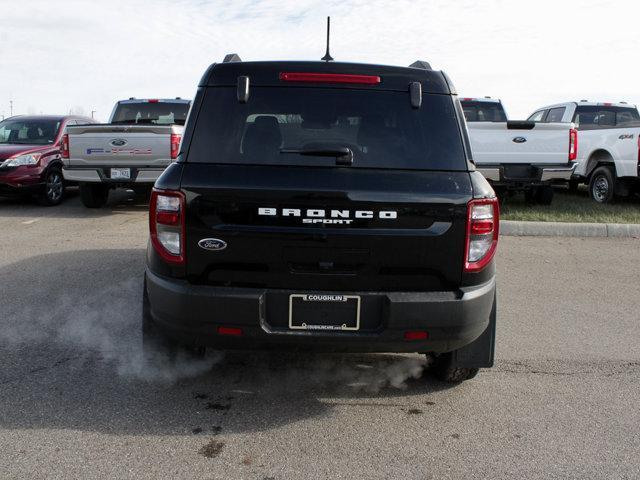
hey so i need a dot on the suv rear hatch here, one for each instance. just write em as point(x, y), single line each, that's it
point(267, 177)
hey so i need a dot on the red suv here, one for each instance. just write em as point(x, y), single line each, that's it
point(30, 156)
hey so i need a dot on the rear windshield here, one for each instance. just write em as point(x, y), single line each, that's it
point(160, 113)
point(594, 117)
point(29, 132)
point(483, 111)
point(282, 125)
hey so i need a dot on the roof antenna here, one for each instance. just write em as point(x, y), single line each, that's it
point(327, 57)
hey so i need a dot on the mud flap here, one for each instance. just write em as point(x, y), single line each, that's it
point(480, 352)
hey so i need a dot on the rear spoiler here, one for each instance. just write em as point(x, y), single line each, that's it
point(520, 125)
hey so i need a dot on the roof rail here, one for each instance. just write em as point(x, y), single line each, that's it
point(231, 57)
point(421, 64)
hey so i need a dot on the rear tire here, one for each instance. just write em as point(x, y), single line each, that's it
point(530, 195)
point(544, 195)
point(601, 185)
point(573, 186)
point(94, 195)
point(53, 191)
point(446, 372)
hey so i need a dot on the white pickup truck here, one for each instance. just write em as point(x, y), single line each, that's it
point(609, 154)
point(141, 139)
point(519, 155)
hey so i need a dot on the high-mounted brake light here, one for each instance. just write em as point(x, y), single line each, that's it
point(573, 145)
point(483, 219)
point(167, 224)
point(153, 100)
point(329, 78)
point(64, 146)
point(175, 145)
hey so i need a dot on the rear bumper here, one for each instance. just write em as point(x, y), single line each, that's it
point(192, 315)
point(526, 174)
point(103, 175)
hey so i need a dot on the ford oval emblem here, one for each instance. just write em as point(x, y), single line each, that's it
point(519, 140)
point(214, 244)
point(118, 142)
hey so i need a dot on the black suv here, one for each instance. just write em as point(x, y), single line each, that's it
point(328, 206)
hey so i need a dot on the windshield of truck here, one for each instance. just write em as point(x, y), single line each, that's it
point(151, 113)
point(593, 117)
point(316, 126)
point(483, 111)
point(29, 132)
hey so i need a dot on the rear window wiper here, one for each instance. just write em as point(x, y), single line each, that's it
point(343, 155)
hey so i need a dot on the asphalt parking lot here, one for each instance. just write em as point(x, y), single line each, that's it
point(75, 402)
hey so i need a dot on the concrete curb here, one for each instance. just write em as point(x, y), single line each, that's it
point(558, 229)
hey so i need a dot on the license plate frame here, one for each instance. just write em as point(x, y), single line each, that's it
point(339, 304)
point(120, 173)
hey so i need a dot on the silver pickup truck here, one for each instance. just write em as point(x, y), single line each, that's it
point(141, 139)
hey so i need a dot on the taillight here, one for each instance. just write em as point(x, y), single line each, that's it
point(167, 224)
point(329, 78)
point(175, 145)
point(483, 219)
point(64, 147)
point(573, 145)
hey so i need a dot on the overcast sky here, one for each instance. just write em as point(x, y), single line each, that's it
point(61, 54)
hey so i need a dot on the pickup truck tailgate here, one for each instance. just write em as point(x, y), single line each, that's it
point(519, 142)
point(120, 145)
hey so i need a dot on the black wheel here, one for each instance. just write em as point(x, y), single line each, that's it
point(530, 195)
point(156, 348)
point(53, 191)
point(446, 372)
point(544, 195)
point(573, 186)
point(94, 195)
point(601, 185)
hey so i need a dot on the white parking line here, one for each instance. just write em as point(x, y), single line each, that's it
point(29, 222)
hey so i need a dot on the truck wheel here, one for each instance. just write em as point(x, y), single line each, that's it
point(94, 195)
point(573, 186)
point(544, 195)
point(601, 185)
point(530, 195)
point(53, 191)
point(446, 372)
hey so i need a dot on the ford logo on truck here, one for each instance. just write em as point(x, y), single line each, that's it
point(214, 244)
point(118, 142)
point(519, 140)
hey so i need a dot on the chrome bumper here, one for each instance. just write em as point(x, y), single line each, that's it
point(99, 175)
point(542, 174)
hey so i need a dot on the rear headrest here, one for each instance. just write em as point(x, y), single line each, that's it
point(262, 138)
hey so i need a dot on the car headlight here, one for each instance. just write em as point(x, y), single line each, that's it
point(28, 159)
